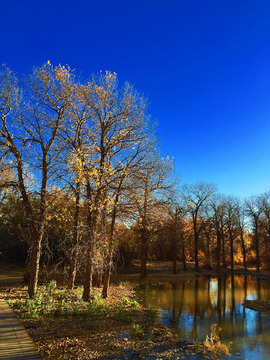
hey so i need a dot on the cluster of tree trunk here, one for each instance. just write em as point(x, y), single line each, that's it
point(86, 142)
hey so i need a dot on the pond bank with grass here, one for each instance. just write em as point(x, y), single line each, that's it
point(63, 326)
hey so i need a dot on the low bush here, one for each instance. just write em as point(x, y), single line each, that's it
point(97, 307)
point(213, 345)
point(151, 315)
point(136, 331)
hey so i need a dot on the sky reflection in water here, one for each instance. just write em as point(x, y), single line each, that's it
point(191, 307)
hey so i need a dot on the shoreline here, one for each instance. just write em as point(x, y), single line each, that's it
point(121, 331)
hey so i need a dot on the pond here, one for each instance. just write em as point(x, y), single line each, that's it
point(191, 307)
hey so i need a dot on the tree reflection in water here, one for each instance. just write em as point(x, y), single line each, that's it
point(191, 307)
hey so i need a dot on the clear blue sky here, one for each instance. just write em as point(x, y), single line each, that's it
point(203, 64)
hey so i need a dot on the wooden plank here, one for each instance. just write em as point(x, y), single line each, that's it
point(15, 342)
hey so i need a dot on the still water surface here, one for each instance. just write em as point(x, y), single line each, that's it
point(191, 307)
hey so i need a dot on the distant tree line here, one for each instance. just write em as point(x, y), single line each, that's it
point(220, 231)
point(82, 182)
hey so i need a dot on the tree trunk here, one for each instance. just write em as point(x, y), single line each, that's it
point(87, 289)
point(208, 246)
point(73, 268)
point(223, 251)
point(97, 278)
point(107, 274)
point(92, 218)
point(196, 251)
point(218, 255)
point(106, 282)
point(174, 256)
point(34, 267)
point(144, 254)
point(232, 255)
point(267, 251)
point(257, 250)
point(75, 241)
point(256, 236)
point(36, 251)
point(35, 238)
point(184, 258)
point(244, 249)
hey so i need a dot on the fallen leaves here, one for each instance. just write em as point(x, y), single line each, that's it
point(103, 336)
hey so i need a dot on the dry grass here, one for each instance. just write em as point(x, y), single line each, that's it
point(213, 345)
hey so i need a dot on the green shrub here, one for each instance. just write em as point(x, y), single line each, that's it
point(123, 315)
point(51, 287)
point(49, 306)
point(197, 347)
point(9, 303)
point(151, 335)
point(76, 311)
point(151, 315)
point(78, 292)
point(32, 308)
point(125, 301)
point(134, 304)
point(97, 307)
point(136, 331)
point(65, 295)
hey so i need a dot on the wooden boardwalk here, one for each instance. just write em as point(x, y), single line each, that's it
point(15, 343)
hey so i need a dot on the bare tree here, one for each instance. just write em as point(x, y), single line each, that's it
point(254, 210)
point(178, 231)
point(243, 232)
point(33, 125)
point(218, 220)
point(109, 132)
point(150, 184)
point(232, 213)
point(194, 198)
point(265, 221)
